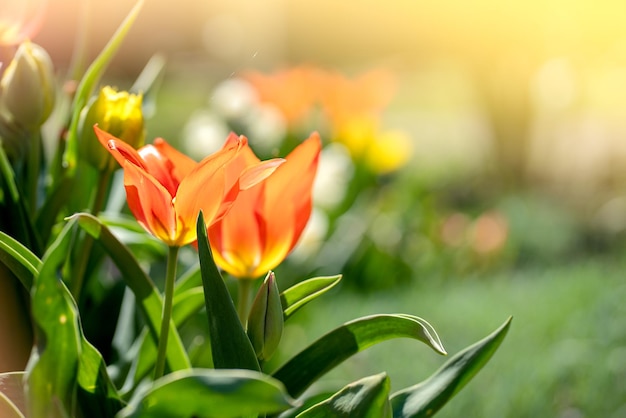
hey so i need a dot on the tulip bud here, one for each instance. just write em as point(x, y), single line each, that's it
point(28, 86)
point(118, 113)
point(265, 322)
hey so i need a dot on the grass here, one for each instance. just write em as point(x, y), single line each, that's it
point(565, 355)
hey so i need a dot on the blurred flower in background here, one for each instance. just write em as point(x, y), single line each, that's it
point(20, 20)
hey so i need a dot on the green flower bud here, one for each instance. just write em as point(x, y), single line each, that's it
point(118, 113)
point(265, 322)
point(28, 86)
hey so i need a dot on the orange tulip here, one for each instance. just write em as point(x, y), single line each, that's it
point(292, 91)
point(166, 190)
point(266, 221)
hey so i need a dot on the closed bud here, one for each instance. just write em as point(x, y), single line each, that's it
point(28, 88)
point(266, 321)
point(118, 113)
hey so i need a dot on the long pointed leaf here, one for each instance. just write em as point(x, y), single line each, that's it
point(229, 343)
point(210, 393)
point(89, 81)
point(65, 363)
point(14, 208)
point(365, 398)
point(97, 396)
point(343, 342)
point(52, 376)
point(144, 350)
point(19, 259)
point(427, 397)
point(302, 293)
point(147, 294)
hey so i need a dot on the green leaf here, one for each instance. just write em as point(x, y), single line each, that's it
point(148, 82)
point(52, 375)
point(427, 397)
point(189, 279)
point(343, 342)
point(96, 394)
point(146, 293)
point(88, 83)
point(55, 200)
point(365, 398)
point(64, 364)
point(12, 400)
point(302, 293)
point(14, 208)
point(144, 350)
point(19, 259)
point(210, 393)
point(229, 343)
point(304, 404)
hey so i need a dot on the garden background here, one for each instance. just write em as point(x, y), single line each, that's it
point(512, 201)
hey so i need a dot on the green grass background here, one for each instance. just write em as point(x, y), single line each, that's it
point(564, 356)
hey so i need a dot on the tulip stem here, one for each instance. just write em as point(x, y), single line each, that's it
point(33, 169)
point(244, 299)
point(170, 278)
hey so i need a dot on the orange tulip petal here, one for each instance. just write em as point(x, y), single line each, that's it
point(278, 236)
point(255, 174)
point(181, 164)
point(120, 150)
point(245, 158)
point(151, 203)
point(205, 188)
point(236, 235)
point(266, 220)
point(293, 182)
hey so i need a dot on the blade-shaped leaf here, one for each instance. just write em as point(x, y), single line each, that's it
point(189, 279)
point(301, 293)
point(210, 393)
point(65, 363)
point(343, 342)
point(14, 208)
point(144, 350)
point(427, 397)
point(365, 398)
point(96, 394)
point(148, 82)
point(56, 199)
point(89, 81)
point(304, 404)
point(12, 401)
point(146, 293)
point(52, 375)
point(19, 259)
point(229, 343)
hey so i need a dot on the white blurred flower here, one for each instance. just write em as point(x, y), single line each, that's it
point(312, 237)
point(267, 127)
point(203, 134)
point(333, 175)
point(233, 98)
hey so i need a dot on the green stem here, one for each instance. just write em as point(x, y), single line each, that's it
point(32, 172)
point(244, 300)
point(170, 278)
point(85, 252)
